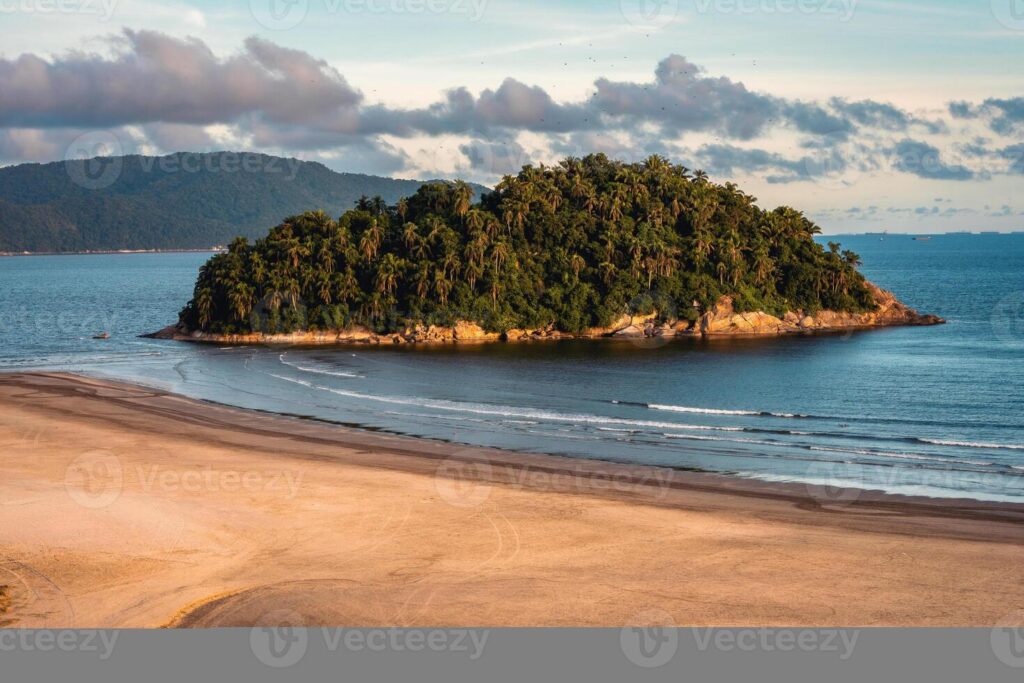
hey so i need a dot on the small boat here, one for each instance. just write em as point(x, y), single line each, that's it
point(921, 239)
point(101, 335)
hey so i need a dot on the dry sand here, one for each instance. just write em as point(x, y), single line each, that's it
point(124, 506)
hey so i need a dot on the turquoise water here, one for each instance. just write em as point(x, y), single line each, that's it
point(932, 411)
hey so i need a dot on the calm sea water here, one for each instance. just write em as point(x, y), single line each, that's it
point(933, 411)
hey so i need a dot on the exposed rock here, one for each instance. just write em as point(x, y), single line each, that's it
point(466, 331)
point(631, 331)
point(720, 320)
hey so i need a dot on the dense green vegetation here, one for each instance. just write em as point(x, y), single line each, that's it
point(179, 201)
point(575, 245)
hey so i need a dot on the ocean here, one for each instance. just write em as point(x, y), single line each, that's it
point(932, 411)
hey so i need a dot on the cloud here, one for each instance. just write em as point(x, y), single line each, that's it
point(374, 157)
point(682, 98)
point(883, 116)
point(495, 157)
point(727, 159)
point(811, 118)
point(1006, 115)
point(178, 137)
point(1003, 115)
point(1014, 154)
point(925, 161)
point(153, 90)
point(33, 143)
point(288, 97)
point(512, 106)
point(152, 78)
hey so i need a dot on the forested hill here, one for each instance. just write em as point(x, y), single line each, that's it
point(179, 201)
point(572, 246)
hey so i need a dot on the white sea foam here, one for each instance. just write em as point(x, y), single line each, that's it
point(695, 437)
point(900, 456)
point(975, 444)
point(715, 411)
point(507, 411)
point(318, 371)
point(703, 411)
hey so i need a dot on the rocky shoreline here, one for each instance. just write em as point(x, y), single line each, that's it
point(720, 321)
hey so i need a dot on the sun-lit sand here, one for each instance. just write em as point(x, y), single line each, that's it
point(123, 506)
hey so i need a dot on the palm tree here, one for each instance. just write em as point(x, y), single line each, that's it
point(442, 286)
point(204, 304)
point(462, 198)
point(577, 263)
point(369, 243)
point(240, 297)
point(410, 235)
point(387, 274)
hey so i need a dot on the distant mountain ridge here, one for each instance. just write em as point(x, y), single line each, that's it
point(177, 201)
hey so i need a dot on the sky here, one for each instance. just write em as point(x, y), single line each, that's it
point(868, 115)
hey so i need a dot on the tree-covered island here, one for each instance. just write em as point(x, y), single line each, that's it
point(588, 247)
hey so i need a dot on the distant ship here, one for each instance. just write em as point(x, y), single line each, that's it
point(922, 239)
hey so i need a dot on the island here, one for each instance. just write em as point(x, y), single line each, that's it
point(590, 247)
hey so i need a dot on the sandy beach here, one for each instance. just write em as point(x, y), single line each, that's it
point(130, 507)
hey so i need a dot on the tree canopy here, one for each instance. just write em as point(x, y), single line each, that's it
point(573, 245)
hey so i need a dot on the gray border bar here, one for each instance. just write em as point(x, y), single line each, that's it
point(514, 655)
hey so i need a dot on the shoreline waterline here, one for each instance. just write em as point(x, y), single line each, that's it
point(823, 491)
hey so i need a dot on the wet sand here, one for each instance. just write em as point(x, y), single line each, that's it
point(126, 506)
